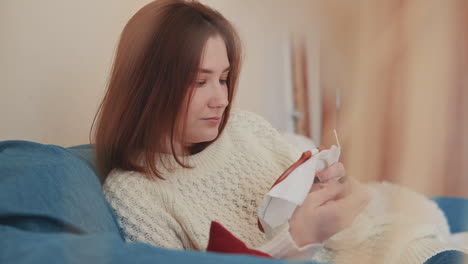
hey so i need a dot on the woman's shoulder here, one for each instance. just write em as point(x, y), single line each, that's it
point(123, 183)
point(247, 122)
point(119, 177)
point(243, 114)
point(257, 131)
point(248, 119)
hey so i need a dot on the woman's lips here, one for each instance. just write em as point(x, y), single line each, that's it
point(212, 120)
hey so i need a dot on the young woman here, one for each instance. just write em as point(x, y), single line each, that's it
point(177, 156)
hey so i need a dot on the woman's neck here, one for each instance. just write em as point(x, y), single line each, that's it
point(179, 148)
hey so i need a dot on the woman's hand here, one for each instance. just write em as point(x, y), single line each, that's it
point(330, 207)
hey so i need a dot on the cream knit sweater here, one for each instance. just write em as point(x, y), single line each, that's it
point(227, 183)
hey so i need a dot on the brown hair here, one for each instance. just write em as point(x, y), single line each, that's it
point(155, 66)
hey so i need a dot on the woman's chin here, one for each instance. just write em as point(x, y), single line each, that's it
point(206, 137)
point(210, 137)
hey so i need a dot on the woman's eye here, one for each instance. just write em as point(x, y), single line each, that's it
point(200, 83)
point(223, 82)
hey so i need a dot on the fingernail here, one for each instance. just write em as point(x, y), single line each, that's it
point(342, 179)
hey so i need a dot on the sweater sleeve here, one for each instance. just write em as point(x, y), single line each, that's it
point(283, 246)
point(142, 218)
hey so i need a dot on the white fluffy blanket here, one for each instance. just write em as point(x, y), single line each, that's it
point(397, 226)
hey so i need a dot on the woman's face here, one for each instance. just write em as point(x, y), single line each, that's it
point(210, 94)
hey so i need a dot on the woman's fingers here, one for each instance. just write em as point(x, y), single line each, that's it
point(324, 213)
point(349, 206)
point(328, 210)
point(335, 171)
point(308, 223)
point(350, 185)
point(353, 203)
point(325, 193)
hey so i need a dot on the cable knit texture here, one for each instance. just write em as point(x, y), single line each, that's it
point(227, 183)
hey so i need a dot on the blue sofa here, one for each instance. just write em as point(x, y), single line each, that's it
point(52, 210)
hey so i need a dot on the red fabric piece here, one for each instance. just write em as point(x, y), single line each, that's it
point(223, 241)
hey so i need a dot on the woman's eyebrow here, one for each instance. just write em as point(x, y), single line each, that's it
point(210, 71)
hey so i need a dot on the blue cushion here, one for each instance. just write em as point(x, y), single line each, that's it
point(22, 247)
point(448, 257)
point(456, 211)
point(47, 188)
point(86, 153)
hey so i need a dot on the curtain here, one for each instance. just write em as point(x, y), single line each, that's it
point(399, 70)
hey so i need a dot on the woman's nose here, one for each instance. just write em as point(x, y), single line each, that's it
point(219, 97)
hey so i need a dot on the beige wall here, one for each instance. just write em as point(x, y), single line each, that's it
point(56, 57)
